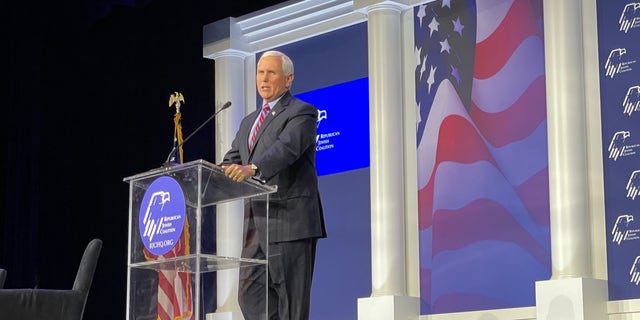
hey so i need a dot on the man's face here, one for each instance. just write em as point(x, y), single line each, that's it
point(270, 79)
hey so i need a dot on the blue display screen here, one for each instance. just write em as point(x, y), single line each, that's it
point(342, 141)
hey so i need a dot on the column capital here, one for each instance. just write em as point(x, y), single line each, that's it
point(365, 6)
point(223, 37)
point(227, 53)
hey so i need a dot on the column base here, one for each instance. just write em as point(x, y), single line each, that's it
point(225, 315)
point(572, 299)
point(388, 308)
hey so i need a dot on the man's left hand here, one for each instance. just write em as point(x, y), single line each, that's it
point(237, 172)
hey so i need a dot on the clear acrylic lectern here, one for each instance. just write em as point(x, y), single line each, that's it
point(175, 239)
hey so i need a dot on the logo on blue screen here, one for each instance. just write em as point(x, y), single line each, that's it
point(618, 62)
point(621, 145)
point(630, 17)
point(624, 230)
point(633, 185)
point(342, 140)
point(632, 100)
point(162, 214)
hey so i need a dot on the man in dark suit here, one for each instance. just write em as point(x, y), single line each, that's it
point(276, 144)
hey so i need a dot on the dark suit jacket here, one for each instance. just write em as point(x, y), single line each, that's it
point(285, 154)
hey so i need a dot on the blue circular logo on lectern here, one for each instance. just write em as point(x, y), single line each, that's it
point(161, 216)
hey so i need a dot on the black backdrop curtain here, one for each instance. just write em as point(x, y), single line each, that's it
point(86, 106)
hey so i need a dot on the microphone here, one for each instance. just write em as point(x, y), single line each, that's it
point(170, 157)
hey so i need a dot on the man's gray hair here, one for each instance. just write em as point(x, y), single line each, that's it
point(287, 64)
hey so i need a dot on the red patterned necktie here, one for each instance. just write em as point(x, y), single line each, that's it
point(263, 114)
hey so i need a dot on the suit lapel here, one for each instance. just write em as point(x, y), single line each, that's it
point(275, 111)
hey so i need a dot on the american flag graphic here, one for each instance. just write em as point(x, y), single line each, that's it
point(482, 154)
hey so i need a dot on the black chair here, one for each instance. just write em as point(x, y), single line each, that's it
point(50, 304)
point(3, 276)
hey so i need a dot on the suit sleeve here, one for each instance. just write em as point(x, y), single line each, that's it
point(295, 135)
point(235, 155)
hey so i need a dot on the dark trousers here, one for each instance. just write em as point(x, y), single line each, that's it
point(290, 267)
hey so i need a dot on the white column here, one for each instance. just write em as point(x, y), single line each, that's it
point(229, 86)
point(387, 188)
point(571, 293)
point(567, 144)
point(389, 298)
point(230, 83)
